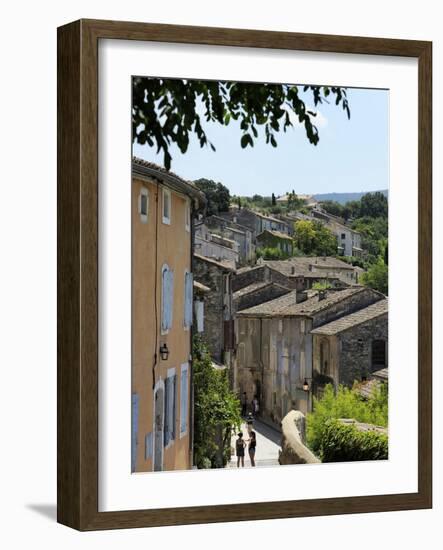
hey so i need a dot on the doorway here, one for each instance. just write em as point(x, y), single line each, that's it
point(159, 412)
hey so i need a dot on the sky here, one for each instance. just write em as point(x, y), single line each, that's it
point(351, 156)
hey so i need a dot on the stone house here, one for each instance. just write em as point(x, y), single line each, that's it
point(163, 205)
point(218, 331)
point(348, 240)
point(265, 273)
point(352, 347)
point(275, 239)
point(241, 234)
point(214, 246)
point(255, 221)
point(316, 269)
point(257, 293)
point(274, 353)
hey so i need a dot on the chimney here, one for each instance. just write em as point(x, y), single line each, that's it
point(301, 296)
point(322, 294)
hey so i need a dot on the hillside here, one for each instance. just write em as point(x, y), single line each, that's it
point(343, 198)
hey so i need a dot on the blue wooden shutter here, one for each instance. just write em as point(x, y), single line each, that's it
point(170, 298)
point(188, 299)
point(166, 426)
point(174, 394)
point(134, 431)
point(165, 284)
point(183, 400)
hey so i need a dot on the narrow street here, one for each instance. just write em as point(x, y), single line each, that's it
point(268, 446)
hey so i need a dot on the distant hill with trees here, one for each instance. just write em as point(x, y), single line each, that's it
point(343, 198)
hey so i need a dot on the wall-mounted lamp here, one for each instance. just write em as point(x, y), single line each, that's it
point(306, 384)
point(164, 351)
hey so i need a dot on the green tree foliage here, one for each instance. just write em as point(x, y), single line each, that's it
point(314, 239)
point(294, 203)
point(345, 443)
point(333, 207)
point(270, 253)
point(217, 195)
point(374, 205)
point(216, 409)
point(346, 403)
point(376, 277)
point(168, 111)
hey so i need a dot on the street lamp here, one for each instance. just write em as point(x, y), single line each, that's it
point(164, 351)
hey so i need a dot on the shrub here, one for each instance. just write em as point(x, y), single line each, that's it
point(346, 403)
point(345, 442)
point(268, 253)
point(216, 410)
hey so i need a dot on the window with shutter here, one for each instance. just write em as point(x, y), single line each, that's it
point(188, 300)
point(167, 298)
point(134, 434)
point(169, 431)
point(184, 399)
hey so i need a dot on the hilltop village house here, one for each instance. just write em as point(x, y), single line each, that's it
point(242, 235)
point(162, 313)
point(255, 221)
point(316, 269)
point(212, 245)
point(348, 240)
point(275, 239)
point(218, 329)
point(352, 347)
point(274, 358)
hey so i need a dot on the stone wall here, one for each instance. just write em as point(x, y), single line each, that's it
point(355, 359)
point(264, 294)
point(213, 277)
point(293, 449)
point(347, 306)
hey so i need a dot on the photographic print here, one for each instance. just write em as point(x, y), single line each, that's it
point(259, 274)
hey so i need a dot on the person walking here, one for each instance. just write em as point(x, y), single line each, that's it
point(252, 446)
point(240, 450)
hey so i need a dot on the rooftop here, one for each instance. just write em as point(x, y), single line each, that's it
point(301, 265)
point(144, 168)
point(349, 321)
point(287, 306)
point(277, 234)
point(254, 287)
point(221, 265)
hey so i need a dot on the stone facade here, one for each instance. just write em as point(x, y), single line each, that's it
point(218, 305)
point(247, 276)
point(243, 236)
point(257, 293)
point(354, 347)
point(275, 346)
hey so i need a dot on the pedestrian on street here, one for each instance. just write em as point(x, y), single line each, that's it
point(240, 450)
point(252, 446)
point(244, 404)
point(255, 406)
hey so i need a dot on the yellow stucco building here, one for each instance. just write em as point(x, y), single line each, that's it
point(162, 210)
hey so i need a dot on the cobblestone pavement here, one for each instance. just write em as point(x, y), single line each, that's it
point(268, 446)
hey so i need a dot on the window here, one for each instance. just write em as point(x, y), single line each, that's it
point(378, 354)
point(148, 446)
point(166, 206)
point(134, 431)
point(143, 204)
point(184, 399)
point(200, 315)
point(343, 236)
point(167, 298)
point(188, 216)
point(188, 300)
point(169, 431)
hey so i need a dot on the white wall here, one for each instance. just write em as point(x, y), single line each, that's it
point(28, 272)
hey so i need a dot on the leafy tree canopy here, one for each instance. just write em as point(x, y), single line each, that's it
point(376, 277)
point(314, 239)
point(167, 111)
point(217, 195)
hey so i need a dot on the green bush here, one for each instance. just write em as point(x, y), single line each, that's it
point(346, 403)
point(344, 443)
point(268, 253)
point(216, 410)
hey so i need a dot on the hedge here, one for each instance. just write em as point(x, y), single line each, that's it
point(345, 443)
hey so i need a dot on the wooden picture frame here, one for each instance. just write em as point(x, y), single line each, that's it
point(77, 228)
